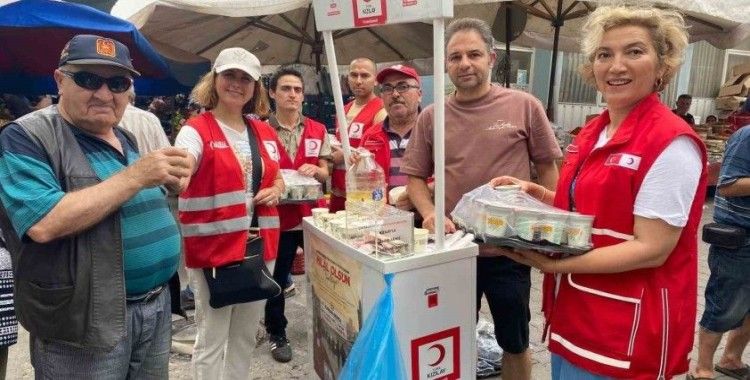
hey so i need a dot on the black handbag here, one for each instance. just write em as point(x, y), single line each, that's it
point(247, 280)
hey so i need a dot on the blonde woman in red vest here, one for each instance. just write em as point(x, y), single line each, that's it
point(626, 309)
point(365, 111)
point(218, 205)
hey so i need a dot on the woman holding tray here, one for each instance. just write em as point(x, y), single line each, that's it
point(626, 309)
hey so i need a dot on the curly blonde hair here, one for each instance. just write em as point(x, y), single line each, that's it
point(204, 93)
point(666, 27)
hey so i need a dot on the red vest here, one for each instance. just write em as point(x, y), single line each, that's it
point(308, 152)
point(376, 141)
point(637, 324)
point(213, 215)
point(360, 124)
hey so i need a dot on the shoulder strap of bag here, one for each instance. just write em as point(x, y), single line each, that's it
point(257, 165)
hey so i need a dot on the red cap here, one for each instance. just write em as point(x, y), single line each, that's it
point(401, 69)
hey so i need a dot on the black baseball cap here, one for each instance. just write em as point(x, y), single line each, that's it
point(88, 49)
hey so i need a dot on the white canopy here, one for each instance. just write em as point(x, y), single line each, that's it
point(277, 31)
point(282, 31)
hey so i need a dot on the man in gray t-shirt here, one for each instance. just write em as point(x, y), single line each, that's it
point(489, 131)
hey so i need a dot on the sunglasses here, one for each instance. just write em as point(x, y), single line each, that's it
point(93, 82)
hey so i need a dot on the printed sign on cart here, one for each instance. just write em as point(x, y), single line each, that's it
point(369, 12)
point(437, 356)
point(347, 14)
point(336, 282)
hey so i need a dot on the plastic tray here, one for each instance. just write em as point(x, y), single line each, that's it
point(543, 246)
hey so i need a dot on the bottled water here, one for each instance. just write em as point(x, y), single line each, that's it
point(365, 183)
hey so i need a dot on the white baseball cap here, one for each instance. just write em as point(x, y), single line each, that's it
point(238, 58)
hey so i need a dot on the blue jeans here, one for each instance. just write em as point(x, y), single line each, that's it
point(727, 289)
point(564, 370)
point(142, 354)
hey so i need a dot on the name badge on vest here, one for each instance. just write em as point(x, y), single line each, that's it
point(272, 149)
point(355, 130)
point(312, 148)
point(218, 145)
point(623, 159)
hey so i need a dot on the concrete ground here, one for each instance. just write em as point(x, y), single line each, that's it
point(264, 367)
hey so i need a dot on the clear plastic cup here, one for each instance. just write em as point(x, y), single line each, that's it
point(527, 224)
point(498, 221)
point(420, 240)
point(579, 230)
point(553, 227)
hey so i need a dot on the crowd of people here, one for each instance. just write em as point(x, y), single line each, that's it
point(86, 182)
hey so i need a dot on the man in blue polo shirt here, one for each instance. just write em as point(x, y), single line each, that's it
point(87, 224)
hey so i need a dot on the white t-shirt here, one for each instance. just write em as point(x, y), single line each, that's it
point(146, 127)
point(664, 195)
point(190, 140)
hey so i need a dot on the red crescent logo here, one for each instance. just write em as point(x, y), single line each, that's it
point(441, 356)
point(631, 161)
point(312, 144)
point(271, 146)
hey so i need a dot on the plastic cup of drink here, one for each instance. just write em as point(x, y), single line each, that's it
point(296, 192)
point(420, 240)
point(579, 230)
point(324, 221)
point(478, 216)
point(527, 224)
point(553, 227)
point(498, 220)
point(395, 194)
point(312, 192)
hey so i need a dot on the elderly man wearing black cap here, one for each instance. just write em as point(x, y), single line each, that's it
point(87, 224)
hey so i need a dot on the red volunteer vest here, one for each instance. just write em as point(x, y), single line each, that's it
point(361, 123)
point(376, 141)
point(212, 211)
point(308, 152)
point(637, 324)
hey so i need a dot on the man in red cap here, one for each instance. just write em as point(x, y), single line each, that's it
point(401, 92)
point(362, 113)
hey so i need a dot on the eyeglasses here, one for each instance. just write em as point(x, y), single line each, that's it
point(401, 88)
point(93, 82)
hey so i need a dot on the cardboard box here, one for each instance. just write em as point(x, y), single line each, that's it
point(738, 85)
point(729, 103)
point(741, 69)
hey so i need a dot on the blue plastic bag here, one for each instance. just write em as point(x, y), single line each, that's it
point(376, 354)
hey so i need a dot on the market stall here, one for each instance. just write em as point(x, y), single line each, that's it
point(368, 270)
point(433, 305)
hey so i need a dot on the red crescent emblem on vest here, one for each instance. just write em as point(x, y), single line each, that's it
point(355, 130)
